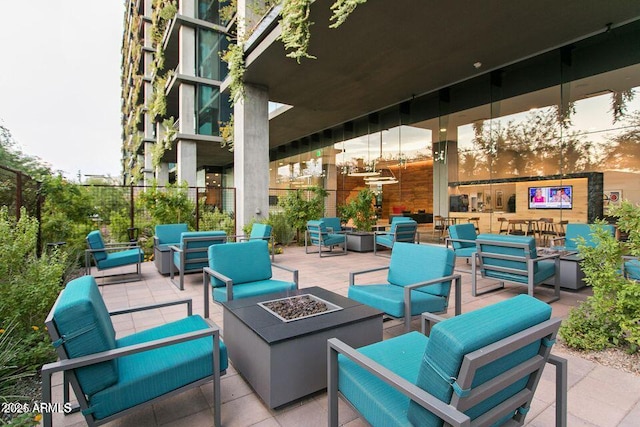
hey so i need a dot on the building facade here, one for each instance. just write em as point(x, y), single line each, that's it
point(437, 107)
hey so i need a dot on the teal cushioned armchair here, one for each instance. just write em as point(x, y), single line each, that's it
point(480, 368)
point(418, 280)
point(241, 270)
point(513, 259)
point(112, 377)
point(112, 255)
point(190, 256)
point(403, 229)
point(318, 235)
point(166, 235)
point(462, 238)
point(574, 231)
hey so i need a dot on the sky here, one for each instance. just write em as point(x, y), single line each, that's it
point(60, 82)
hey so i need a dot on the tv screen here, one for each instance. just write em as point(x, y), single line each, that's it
point(551, 197)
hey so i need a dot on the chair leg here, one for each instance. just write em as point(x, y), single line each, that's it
point(561, 365)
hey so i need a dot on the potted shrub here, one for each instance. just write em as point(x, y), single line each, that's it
point(361, 212)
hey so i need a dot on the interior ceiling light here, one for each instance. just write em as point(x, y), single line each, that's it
point(477, 65)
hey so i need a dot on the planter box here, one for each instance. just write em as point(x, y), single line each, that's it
point(360, 242)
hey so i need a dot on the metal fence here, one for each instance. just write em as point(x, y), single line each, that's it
point(19, 190)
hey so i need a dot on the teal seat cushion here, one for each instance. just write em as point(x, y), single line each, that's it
point(332, 239)
point(545, 270)
point(463, 232)
point(251, 289)
point(242, 262)
point(384, 240)
point(119, 259)
point(332, 223)
point(632, 269)
point(400, 219)
point(82, 319)
point(260, 231)
point(379, 403)
point(390, 299)
point(95, 242)
point(169, 234)
point(574, 231)
point(411, 263)
point(466, 252)
point(144, 376)
point(455, 337)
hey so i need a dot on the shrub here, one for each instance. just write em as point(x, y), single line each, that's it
point(611, 317)
point(283, 233)
point(217, 220)
point(29, 288)
point(299, 207)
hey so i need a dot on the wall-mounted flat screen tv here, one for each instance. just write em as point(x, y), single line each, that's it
point(551, 197)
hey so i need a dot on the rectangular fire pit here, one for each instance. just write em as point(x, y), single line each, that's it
point(299, 307)
point(284, 359)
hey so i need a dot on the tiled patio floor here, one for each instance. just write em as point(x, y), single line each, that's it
point(598, 395)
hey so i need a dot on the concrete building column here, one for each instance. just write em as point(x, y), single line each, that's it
point(162, 174)
point(251, 156)
point(147, 173)
point(187, 162)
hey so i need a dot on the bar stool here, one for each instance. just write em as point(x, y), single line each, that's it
point(438, 225)
point(516, 227)
point(548, 230)
point(504, 225)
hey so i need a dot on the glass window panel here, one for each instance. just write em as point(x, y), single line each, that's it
point(209, 10)
point(208, 58)
point(208, 111)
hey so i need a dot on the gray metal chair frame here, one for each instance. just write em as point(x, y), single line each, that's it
point(478, 263)
point(66, 366)
point(452, 413)
point(321, 244)
point(456, 278)
point(208, 272)
point(113, 247)
point(184, 262)
point(405, 232)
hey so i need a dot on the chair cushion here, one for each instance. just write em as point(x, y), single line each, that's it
point(411, 263)
point(242, 262)
point(260, 231)
point(332, 239)
point(379, 403)
point(463, 232)
point(332, 223)
point(390, 299)
point(144, 376)
point(251, 289)
point(573, 231)
point(196, 260)
point(465, 252)
point(94, 240)
point(384, 239)
point(82, 319)
point(169, 234)
point(632, 269)
point(455, 337)
point(119, 259)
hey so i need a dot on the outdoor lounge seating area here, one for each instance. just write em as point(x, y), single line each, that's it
point(241, 405)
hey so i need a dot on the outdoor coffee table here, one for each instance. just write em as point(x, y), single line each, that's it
point(286, 360)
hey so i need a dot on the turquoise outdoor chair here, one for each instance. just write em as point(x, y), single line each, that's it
point(318, 235)
point(631, 268)
point(403, 229)
point(166, 235)
point(462, 238)
point(112, 255)
point(481, 368)
point(112, 377)
point(241, 270)
point(190, 256)
point(260, 231)
point(513, 259)
point(334, 225)
point(418, 280)
point(569, 242)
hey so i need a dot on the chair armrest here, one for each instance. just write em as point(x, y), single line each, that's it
point(553, 241)
point(289, 269)
point(174, 248)
point(206, 271)
point(156, 241)
point(561, 365)
point(412, 391)
point(544, 257)
point(120, 245)
point(352, 275)
point(427, 321)
point(188, 302)
point(458, 286)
